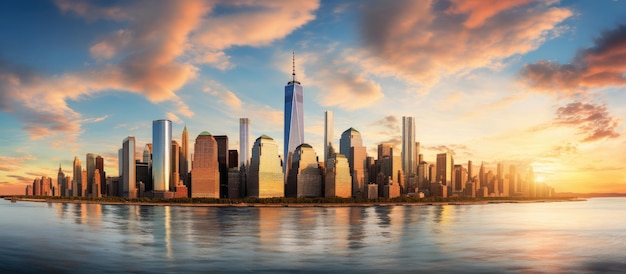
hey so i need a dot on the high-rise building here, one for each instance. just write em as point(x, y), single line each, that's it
point(100, 166)
point(349, 138)
point(96, 184)
point(329, 132)
point(147, 154)
point(90, 162)
point(470, 174)
point(338, 182)
point(61, 182)
point(129, 169)
point(305, 176)
point(77, 174)
point(184, 155)
point(244, 142)
point(161, 155)
point(83, 186)
point(351, 145)
point(294, 117)
point(384, 149)
point(409, 152)
point(444, 168)
point(233, 159)
point(222, 159)
point(205, 176)
point(265, 176)
point(175, 171)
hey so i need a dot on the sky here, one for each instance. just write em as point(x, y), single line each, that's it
point(537, 84)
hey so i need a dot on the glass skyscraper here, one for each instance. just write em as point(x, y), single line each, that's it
point(294, 118)
point(161, 154)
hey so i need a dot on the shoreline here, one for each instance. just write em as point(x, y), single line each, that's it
point(300, 205)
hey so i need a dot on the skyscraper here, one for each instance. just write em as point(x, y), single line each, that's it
point(444, 168)
point(409, 153)
point(305, 176)
point(184, 155)
point(338, 180)
point(265, 176)
point(222, 160)
point(205, 176)
point(349, 138)
point(77, 173)
point(244, 142)
point(161, 154)
point(100, 166)
point(174, 170)
point(294, 118)
point(129, 178)
point(91, 168)
point(329, 124)
point(61, 182)
point(351, 145)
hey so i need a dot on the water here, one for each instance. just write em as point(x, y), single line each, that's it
point(539, 237)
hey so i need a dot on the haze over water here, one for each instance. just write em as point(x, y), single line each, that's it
point(535, 237)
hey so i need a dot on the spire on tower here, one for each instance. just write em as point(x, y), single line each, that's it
point(293, 71)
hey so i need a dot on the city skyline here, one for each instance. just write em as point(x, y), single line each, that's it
point(490, 101)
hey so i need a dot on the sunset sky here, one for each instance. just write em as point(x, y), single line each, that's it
point(539, 83)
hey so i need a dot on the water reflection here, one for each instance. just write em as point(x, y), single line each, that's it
point(557, 237)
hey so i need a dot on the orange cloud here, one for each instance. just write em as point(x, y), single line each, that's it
point(602, 65)
point(422, 41)
point(154, 55)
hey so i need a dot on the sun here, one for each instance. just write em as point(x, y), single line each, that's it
point(539, 179)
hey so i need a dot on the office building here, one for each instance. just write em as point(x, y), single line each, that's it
point(90, 162)
point(129, 178)
point(329, 131)
point(222, 160)
point(184, 156)
point(100, 166)
point(444, 168)
point(409, 151)
point(175, 166)
point(294, 117)
point(205, 176)
point(305, 176)
point(161, 155)
point(338, 182)
point(265, 176)
point(244, 142)
point(77, 174)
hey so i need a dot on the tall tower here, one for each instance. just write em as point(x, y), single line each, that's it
point(161, 154)
point(351, 146)
point(175, 167)
point(409, 153)
point(184, 155)
point(78, 175)
point(444, 168)
point(329, 124)
point(61, 183)
point(100, 166)
point(294, 117)
point(205, 176)
point(222, 160)
point(244, 142)
point(91, 168)
point(129, 176)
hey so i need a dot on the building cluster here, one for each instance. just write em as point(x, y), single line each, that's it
point(166, 169)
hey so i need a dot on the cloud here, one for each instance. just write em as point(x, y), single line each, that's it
point(423, 41)
point(154, 53)
point(603, 64)
point(95, 120)
point(456, 150)
point(13, 163)
point(593, 121)
point(563, 150)
point(21, 178)
point(390, 123)
point(173, 117)
point(224, 95)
